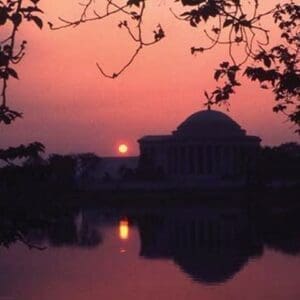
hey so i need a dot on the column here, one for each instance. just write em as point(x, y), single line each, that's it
point(200, 164)
point(171, 160)
point(225, 160)
point(181, 160)
point(238, 160)
point(186, 160)
point(168, 158)
point(204, 160)
point(230, 156)
point(218, 159)
point(176, 160)
point(208, 159)
point(191, 160)
point(213, 159)
point(196, 162)
point(233, 159)
point(231, 151)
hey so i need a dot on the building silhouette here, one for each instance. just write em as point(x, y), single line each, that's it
point(208, 144)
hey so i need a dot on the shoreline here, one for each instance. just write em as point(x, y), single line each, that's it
point(79, 198)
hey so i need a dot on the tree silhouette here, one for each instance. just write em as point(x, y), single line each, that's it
point(280, 163)
point(235, 24)
point(31, 151)
point(13, 14)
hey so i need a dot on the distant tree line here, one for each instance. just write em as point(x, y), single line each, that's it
point(32, 173)
point(280, 163)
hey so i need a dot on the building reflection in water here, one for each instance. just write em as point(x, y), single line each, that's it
point(210, 245)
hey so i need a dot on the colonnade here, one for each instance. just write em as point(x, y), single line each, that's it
point(194, 232)
point(206, 159)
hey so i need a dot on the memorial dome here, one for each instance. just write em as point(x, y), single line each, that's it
point(209, 123)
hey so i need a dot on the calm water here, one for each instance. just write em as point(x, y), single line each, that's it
point(190, 253)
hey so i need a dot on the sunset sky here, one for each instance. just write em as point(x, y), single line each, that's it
point(70, 107)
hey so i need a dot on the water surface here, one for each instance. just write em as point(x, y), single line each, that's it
point(191, 253)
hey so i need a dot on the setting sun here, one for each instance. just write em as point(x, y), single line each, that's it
point(123, 149)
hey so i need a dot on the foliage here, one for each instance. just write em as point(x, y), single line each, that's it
point(36, 175)
point(235, 24)
point(86, 164)
point(62, 170)
point(11, 154)
point(13, 13)
point(280, 162)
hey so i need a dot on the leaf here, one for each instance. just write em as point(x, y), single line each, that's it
point(218, 74)
point(227, 22)
point(193, 23)
point(231, 76)
point(38, 21)
point(31, 9)
point(192, 2)
point(12, 73)
point(267, 61)
point(4, 59)
point(134, 2)
point(17, 19)
point(216, 30)
point(3, 15)
point(206, 95)
point(224, 64)
point(7, 116)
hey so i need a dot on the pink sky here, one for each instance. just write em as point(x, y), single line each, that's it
point(71, 108)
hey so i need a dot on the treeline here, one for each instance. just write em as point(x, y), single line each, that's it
point(34, 173)
point(280, 163)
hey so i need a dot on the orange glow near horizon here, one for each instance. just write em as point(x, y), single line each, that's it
point(124, 229)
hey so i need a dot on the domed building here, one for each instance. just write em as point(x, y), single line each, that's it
point(207, 144)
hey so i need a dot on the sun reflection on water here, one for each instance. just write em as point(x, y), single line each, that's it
point(124, 229)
